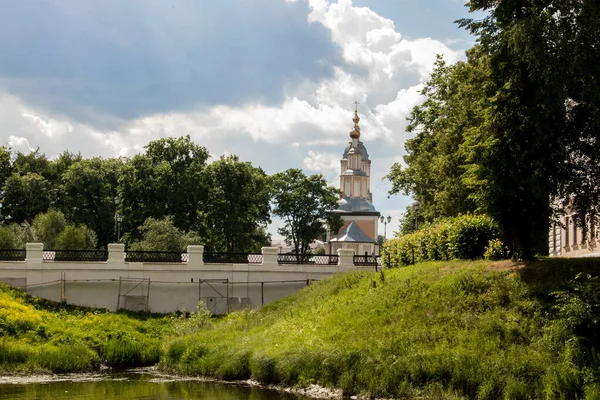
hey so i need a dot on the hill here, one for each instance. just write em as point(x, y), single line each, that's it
point(461, 329)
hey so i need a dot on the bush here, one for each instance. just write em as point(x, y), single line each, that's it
point(462, 237)
point(495, 250)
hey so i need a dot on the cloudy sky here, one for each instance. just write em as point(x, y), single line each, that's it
point(272, 81)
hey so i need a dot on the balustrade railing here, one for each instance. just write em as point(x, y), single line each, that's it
point(232, 258)
point(75, 255)
point(12, 255)
point(156, 256)
point(327, 259)
point(367, 261)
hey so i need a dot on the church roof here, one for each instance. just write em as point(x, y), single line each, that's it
point(359, 172)
point(361, 149)
point(355, 204)
point(353, 233)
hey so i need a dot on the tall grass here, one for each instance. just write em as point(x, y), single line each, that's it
point(462, 328)
point(38, 335)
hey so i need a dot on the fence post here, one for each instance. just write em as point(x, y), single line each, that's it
point(116, 253)
point(345, 259)
point(196, 256)
point(270, 256)
point(33, 252)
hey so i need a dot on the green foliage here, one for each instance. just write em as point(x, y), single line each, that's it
point(462, 237)
point(75, 238)
point(440, 330)
point(48, 226)
point(189, 323)
point(7, 240)
point(495, 250)
point(164, 181)
point(39, 335)
point(237, 207)
point(88, 188)
point(162, 235)
point(303, 203)
point(24, 197)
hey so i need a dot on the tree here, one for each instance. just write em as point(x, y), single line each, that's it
point(75, 238)
point(237, 209)
point(48, 226)
point(164, 181)
point(304, 204)
point(541, 131)
point(437, 166)
point(162, 235)
point(23, 197)
point(87, 192)
point(5, 165)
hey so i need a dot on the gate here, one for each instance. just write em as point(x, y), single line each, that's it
point(134, 298)
point(214, 296)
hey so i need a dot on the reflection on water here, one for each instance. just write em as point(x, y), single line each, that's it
point(138, 386)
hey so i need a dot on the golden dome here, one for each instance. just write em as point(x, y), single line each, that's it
point(355, 133)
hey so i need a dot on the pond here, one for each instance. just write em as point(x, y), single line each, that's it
point(133, 385)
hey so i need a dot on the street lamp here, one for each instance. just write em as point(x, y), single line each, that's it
point(385, 221)
point(117, 220)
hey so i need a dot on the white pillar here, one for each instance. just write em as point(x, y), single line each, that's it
point(196, 256)
point(33, 252)
point(116, 253)
point(270, 256)
point(346, 259)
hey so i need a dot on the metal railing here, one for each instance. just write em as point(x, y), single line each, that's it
point(232, 258)
point(75, 255)
point(156, 256)
point(367, 261)
point(12, 255)
point(310, 259)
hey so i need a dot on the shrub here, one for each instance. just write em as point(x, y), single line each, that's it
point(495, 250)
point(462, 237)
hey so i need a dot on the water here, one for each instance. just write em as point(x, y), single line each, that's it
point(136, 385)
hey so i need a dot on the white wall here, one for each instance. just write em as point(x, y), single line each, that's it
point(164, 287)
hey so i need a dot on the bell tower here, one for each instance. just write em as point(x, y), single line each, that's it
point(359, 231)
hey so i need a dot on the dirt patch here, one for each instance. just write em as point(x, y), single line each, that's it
point(504, 265)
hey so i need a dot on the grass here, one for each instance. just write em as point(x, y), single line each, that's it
point(37, 335)
point(435, 330)
point(464, 329)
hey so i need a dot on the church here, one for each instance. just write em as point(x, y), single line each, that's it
point(359, 231)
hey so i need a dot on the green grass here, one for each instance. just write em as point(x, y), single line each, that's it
point(464, 329)
point(37, 335)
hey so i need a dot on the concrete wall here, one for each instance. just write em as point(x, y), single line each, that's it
point(164, 288)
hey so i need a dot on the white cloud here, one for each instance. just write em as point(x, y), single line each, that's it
point(383, 72)
point(19, 144)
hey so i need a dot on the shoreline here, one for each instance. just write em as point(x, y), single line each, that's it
point(109, 374)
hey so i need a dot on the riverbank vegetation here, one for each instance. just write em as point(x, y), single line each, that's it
point(40, 336)
point(476, 329)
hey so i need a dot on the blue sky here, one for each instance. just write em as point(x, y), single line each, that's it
point(272, 81)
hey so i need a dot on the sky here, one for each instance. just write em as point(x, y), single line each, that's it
point(272, 81)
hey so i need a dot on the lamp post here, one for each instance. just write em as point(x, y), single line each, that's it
point(385, 221)
point(117, 220)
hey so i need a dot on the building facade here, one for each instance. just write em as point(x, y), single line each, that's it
point(572, 237)
point(360, 217)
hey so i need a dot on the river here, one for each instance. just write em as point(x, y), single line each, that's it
point(131, 385)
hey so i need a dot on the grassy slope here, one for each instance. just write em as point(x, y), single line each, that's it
point(37, 335)
point(470, 329)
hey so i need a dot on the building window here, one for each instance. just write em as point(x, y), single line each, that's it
point(566, 231)
point(574, 232)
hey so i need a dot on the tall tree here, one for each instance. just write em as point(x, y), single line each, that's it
point(541, 133)
point(304, 204)
point(164, 181)
point(88, 190)
point(435, 170)
point(25, 196)
point(237, 206)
